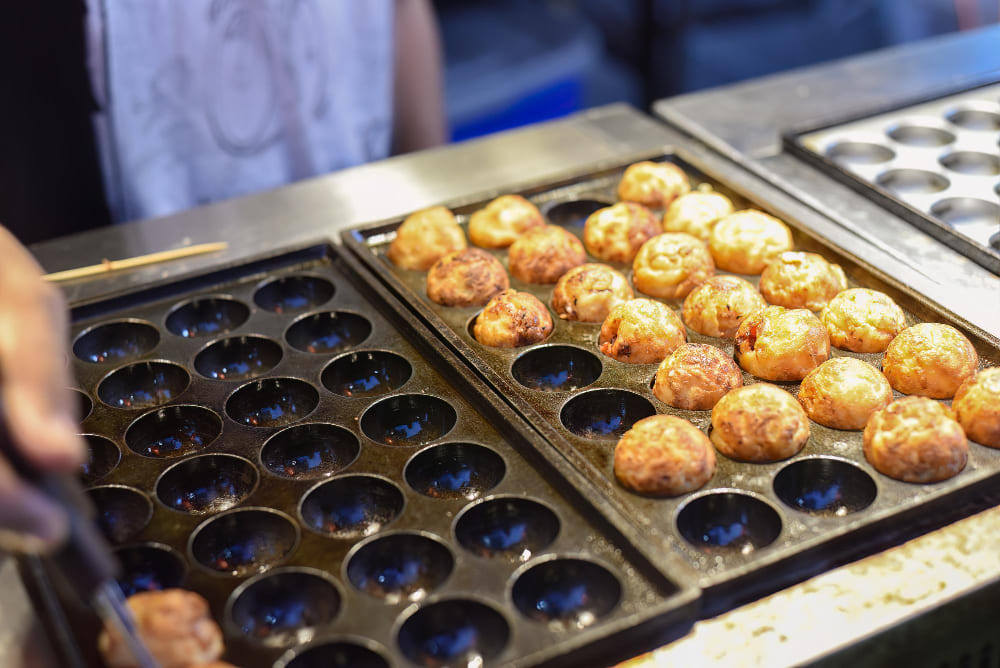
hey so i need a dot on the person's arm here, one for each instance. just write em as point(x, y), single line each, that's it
point(418, 85)
point(38, 406)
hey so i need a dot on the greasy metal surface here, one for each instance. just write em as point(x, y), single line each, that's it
point(806, 542)
point(650, 603)
point(955, 188)
point(932, 602)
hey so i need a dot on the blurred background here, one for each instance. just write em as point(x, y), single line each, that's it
point(513, 62)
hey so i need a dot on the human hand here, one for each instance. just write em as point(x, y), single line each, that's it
point(38, 406)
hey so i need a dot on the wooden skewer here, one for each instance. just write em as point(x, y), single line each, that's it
point(140, 260)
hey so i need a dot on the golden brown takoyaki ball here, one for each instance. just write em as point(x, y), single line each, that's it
point(720, 304)
point(780, 344)
point(695, 377)
point(843, 393)
point(802, 280)
point(759, 423)
point(653, 184)
point(977, 405)
point(512, 319)
point(615, 233)
point(502, 221)
point(176, 626)
point(696, 212)
point(664, 455)
point(671, 265)
point(588, 293)
point(930, 359)
point(863, 320)
point(543, 254)
point(641, 331)
point(915, 439)
point(746, 241)
point(467, 277)
point(424, 237)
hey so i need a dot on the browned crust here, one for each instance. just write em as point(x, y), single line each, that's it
point(469, 277)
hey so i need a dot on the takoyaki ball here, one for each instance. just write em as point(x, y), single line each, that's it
point(863, 320)
point(512, 319)
point(641, 331)
point(653, 184)
point(502, 221)
point(695, 377)
point(671, 265)
point(696, 212)
point(720, 304)
point(802, 280)
point(843, 393)
point(915, 439)
point(469, 277)
point(780, 344)
point(759, 423)
point(664, 455)
point(930, 360)
point(977, 405)
point(424, 237)
point(176, 626)
point(543, 254)
point(746, 241)
point(615, 233)
point(588, 293)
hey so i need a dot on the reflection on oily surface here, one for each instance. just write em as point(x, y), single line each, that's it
point(149, 568)
point(285, 607)
point(309, 451)
point(293, 293)
point(173, 431)
point(207, 317)
point(238, 358)
point(455, 470)
point(143, 385)
point(512, 528)
point(116, 342)
point(243, 541)
point(326, 333)
point(566, 592)
point(273, 402)
point(207, 484)
point(366, 374)
point(454, 633)
point(352, 506)
point(412, 419)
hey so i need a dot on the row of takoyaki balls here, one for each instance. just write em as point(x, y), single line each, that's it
point(785, 341)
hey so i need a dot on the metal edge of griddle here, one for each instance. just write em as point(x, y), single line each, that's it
point(646, 629)
point(739, 587)
point(678, 612)
point(791, 141)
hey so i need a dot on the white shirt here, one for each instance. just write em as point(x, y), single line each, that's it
point(208, 99)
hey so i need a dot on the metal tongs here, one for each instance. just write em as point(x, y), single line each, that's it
point(85, 561)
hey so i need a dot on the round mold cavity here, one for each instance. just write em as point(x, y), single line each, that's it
point(574, 213)
point(556, 368)
point(207, 316)
point(84, 405)
point(309, 451)
point(238, 358)
point(285, 606)
point(292, 294)
point(511, 528)
point(925, 136)
point(330, 332)
point(400, 566)
point(116, 342)
point(912, 181)
point(149, 567)
point(454, 632)
point(566, 593)
point(455, 471)
point(408, 419)
point(122, 512)
point(970, 118)
point(971, 162)
point(173, 431)
point(604, 414)
point(207, 484)
point(143, 385)
point(351, 506)
point(823, 486)
point(860, 152)
point(960, 211)
point(272, 402)
point(729, 522)
point(102, 458)
point(244, 541)
point(340, 653)
point(368, 373)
